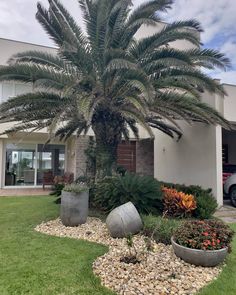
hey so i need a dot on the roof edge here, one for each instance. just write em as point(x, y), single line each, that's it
point(29, 43)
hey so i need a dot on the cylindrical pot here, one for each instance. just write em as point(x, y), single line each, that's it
point(74, 208)
point(124, 220)
point(207, 258)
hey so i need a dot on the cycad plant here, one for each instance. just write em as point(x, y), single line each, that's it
point(107, 80)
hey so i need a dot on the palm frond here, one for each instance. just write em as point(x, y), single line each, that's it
point(149, 9)
point(38, 57)
point(29, 72)
point(166, 128)
point(185, 30)
point(208, 58)
point(192, 76)
point(107, 80)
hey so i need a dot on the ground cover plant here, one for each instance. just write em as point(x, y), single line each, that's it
point(160, 228)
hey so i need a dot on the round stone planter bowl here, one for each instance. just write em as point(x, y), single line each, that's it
point(206, 258)
point(74, 208)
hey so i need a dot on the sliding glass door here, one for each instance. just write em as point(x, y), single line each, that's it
point(20, 164)
point(27, 164)
point(50, 161)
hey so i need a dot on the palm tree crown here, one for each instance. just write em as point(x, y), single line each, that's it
point(106, 79)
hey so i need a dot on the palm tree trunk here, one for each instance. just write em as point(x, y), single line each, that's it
point(108, 136)
point(106, 157)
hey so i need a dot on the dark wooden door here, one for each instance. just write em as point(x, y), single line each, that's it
point(126, 155)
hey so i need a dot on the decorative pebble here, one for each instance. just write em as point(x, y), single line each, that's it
point(159, 272)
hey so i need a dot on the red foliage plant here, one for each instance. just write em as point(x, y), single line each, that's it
point(178, 204)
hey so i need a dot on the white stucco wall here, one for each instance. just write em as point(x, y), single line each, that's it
point(192, 160)
point(196, 158)
point(230, 102)
point(11, 47)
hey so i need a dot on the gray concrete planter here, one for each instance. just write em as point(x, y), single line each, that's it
point(74, 208)
point(124, 220)
point(205, 258)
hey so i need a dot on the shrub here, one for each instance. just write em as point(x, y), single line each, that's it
point(143, 191)
point(178, 204)
point(206, 203)
point(76, 188)
point(206, 206)
point(204, 234)
point(159, 228)
point(60, 182)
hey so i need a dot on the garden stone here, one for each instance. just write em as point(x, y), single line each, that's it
point(124, 220)
point(74, 208)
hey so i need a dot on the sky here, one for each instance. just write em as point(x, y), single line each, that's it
point(218, 18)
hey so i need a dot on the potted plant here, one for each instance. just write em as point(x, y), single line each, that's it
point(74, 204)
point(202, 242)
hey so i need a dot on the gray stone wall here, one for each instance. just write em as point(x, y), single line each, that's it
point(145, 157)
point(80, 157)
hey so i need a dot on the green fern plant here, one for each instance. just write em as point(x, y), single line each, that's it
point(143, 191)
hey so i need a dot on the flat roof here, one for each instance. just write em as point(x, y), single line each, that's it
point(228, 84)
point(23, 42)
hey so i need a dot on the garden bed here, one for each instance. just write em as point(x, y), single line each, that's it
point(159, 270)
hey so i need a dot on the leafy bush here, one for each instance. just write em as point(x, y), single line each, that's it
point(76, 188)
point(159, 228)
point(206, 206)
point(60, 182)
point(121, 170)
point(204, 234)
point(178, 204)
point(143, 191)
point(57, 189)
point(206, 203)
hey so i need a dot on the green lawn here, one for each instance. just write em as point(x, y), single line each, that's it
point(33, 263)
point(36, 264)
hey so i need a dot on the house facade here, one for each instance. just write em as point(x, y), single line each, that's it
point(195, 159)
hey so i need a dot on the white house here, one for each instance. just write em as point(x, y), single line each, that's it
point(195, 159)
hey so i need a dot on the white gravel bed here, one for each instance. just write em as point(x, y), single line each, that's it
point(159, 272)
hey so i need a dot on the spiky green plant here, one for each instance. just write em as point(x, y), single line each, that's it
point(108, 80)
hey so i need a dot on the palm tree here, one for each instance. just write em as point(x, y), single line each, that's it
point(107, 80)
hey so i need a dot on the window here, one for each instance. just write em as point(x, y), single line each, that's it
point(50, 158)
point(26, 164)
point(7, 91)
point(22, 88)
point(20, 164)
point(10, 89)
